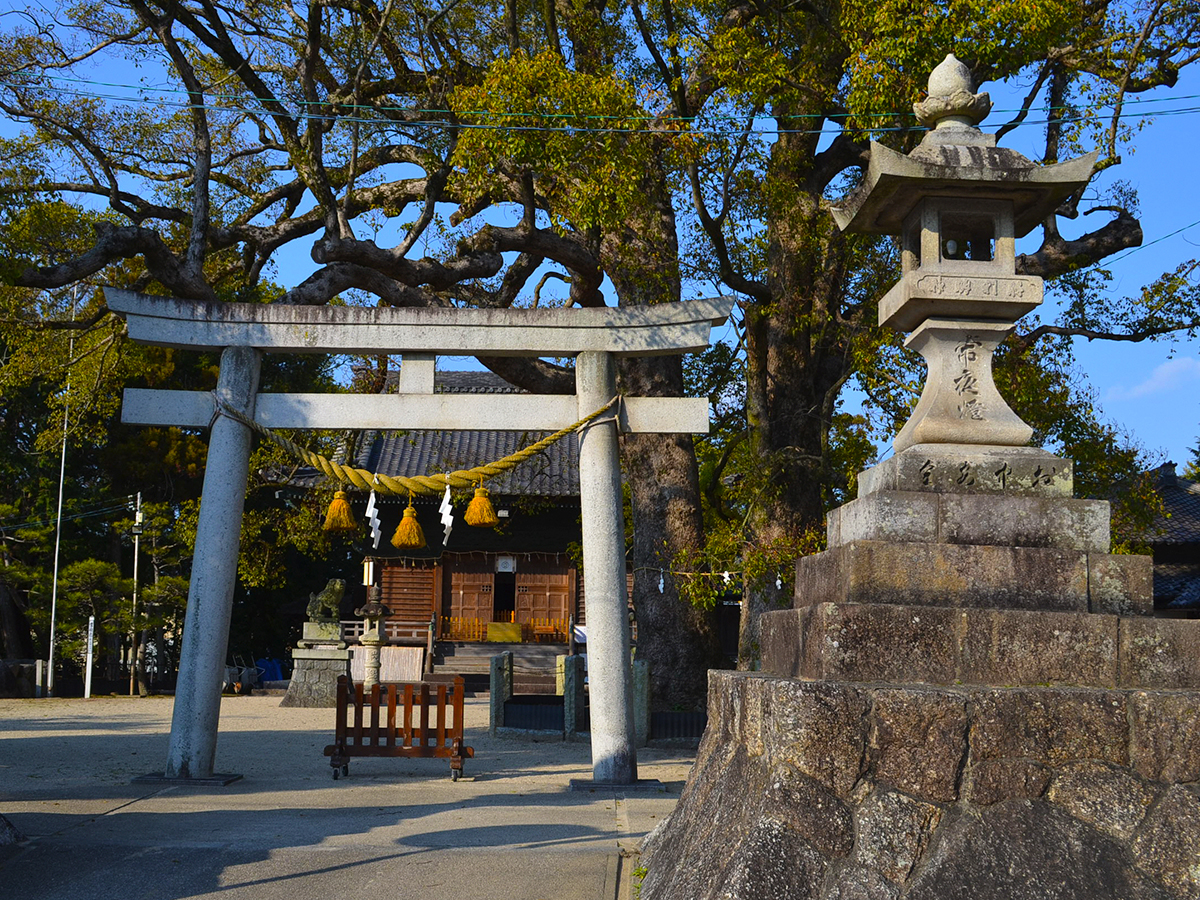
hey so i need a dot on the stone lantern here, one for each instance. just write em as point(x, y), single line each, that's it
point(958, 203)
point(373, 613)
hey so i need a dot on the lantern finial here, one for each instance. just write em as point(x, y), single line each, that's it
point(952, 104)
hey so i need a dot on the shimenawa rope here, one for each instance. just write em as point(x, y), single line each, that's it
point(401, 485)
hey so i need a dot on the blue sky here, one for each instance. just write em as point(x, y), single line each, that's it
point(1151, 389)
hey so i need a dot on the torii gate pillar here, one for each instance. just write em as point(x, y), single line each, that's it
point(193, 746)
point(614, 757)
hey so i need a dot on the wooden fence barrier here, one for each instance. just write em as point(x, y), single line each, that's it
point(406, 738)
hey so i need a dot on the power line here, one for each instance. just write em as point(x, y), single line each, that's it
point(1108, 262)
point(666, 122)
point(87, 514)
point(1135, 100)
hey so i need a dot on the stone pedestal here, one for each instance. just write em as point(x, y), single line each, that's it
point(970, 698)
point(827, 789)
point(960, 401)
point(371, 643)
point(315, 673)
point(322, 634)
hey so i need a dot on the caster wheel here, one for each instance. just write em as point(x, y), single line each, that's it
point(454, 773)
point(346, 770)
point(335, 774)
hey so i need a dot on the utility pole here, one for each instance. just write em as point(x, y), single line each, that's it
point(62, 475)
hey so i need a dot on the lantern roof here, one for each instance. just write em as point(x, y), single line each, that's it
point(955, 159)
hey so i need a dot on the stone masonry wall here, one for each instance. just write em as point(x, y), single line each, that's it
point(820, 790)
point(314, 683)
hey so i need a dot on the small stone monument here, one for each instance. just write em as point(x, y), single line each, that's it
point(320, 655)
point(970, 697)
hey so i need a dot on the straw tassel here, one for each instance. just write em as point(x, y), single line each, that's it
point(409, 535)
point(340, 517)
point(480, 512)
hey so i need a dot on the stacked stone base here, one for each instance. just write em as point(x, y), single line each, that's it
point(970, 699)
point(315, 673)
point(843, 791)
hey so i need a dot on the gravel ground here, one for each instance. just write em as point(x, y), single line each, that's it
point(511, 829)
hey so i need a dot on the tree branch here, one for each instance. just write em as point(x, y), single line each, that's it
point(113, 243)
point(439, 276)
point(1022, 343)
point(1057, 256)
point(566, 251)
point(326, 283)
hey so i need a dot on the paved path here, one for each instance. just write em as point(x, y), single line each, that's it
point(394, 829)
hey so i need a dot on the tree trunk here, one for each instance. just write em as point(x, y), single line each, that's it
point(143, 684)
point(113, 655)
point(799, 354)
point(160, 658)
point(677, 639)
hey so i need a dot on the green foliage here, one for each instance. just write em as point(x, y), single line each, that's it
point(639, 875)
point(751, 70)
point(580, 136)
point(1192, 470)
point(87, 588)
point(41, 231)
point(1044, 387)
point(892, 46)
point(732, 562)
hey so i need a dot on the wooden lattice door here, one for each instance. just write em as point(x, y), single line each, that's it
point(543, 595)
point(471, 594)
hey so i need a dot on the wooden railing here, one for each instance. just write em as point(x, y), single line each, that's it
point(461, 628)
point(553, 631)
point(397, 632)
point(464, 628)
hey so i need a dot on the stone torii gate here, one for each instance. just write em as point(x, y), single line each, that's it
point(242, 331)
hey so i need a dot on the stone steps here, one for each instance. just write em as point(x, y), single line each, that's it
point(533, 665)
point(958, 575)
point(904, 644)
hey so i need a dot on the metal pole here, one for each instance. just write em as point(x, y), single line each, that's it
point(62, 474)
point(133, 629)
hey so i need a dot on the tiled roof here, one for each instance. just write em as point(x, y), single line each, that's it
point(1177, 585)
point(1181, 505)
point(461, 383)
point(554, 472)
point(472, 383)
point(1174, 538)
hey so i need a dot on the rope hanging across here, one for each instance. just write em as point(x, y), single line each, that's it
point(402, 485)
